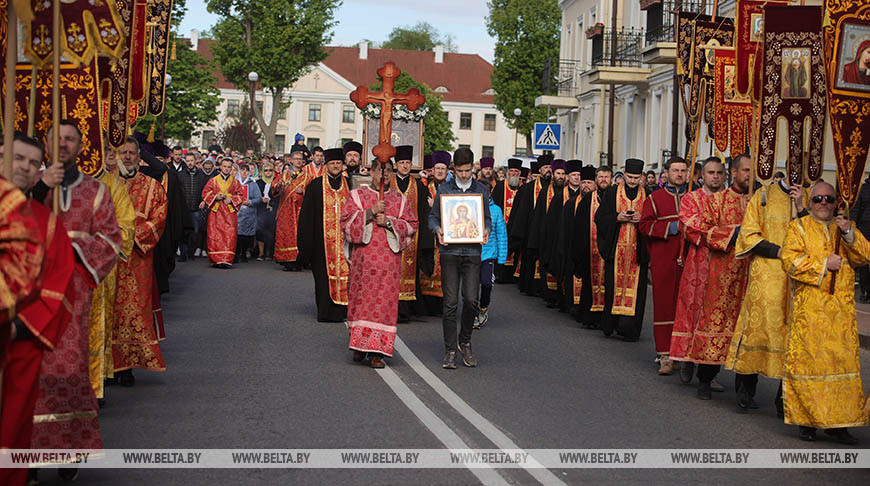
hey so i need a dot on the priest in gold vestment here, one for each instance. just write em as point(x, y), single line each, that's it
point(758, 344)
point(100, 363)
point(822, 380)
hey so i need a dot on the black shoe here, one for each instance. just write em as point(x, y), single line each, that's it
point(687, 372)
point(68, 474)
point(101, 402)
point(704, 391)
point(743, 401)
point(110, 381)
point(449, 362)
point(842, 436)
point(467, 357)
point(752, 404)
point(807, 434)
point(126, 379)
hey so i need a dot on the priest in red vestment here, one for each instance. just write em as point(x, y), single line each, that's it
point(65, 416)
point(375, 233)
point(727, 277)
point(134, 335)
point(289, 189)
point(223, 196)
point(660, 225)
point(41, 320)
point(696, 265)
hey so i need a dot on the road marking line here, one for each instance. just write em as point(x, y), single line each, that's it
point(487, 428)
point(448, 437)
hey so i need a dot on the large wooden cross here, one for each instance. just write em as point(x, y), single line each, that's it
point(384, 150)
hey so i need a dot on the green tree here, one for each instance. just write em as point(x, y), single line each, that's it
point(420, 37)
point(437, 129)
point(241, 134)
point(191, 97)
point(527, 36)
point(278, 39)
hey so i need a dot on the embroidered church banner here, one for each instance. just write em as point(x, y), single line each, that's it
point(749, 42)
point(847, 55)
point(695, 63)
point(732, 126)
point(157, 54)
point(793, 88)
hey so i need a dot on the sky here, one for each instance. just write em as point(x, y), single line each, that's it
point(374, 19)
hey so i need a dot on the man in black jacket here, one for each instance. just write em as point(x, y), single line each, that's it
point(192, 182)
point(860, 214)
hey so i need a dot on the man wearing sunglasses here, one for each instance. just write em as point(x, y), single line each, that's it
point(822, 378)
point(758, 344)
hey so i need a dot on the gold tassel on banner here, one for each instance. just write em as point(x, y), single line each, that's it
point(150, 138)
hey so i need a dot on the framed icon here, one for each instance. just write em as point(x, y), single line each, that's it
point(462, 218)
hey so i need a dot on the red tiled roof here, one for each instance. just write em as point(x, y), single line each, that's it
point(466, 76)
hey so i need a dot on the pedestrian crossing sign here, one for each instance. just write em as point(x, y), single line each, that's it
point(548, 136)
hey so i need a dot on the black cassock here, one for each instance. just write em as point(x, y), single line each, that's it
point(628, 327)
point(425, 246)
point(309, 238)
point(519, 236)
point(579, 255)
point(560, 221)
point(178, 221)
point(545, 229)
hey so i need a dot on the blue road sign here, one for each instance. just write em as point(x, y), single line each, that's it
point(548, 136)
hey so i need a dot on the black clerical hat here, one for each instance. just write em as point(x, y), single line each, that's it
point(573, 166)
point(333, 154)
point(515, 164)
point(353, 146)
point(634, 166)
point(587, 173)
point(404, 152)
point(545, 159)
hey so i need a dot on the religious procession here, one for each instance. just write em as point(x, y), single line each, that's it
point(161, 240)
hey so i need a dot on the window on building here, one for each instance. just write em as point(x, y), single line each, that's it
point(282, 113)
point(279, 144)
point(345, 140)
point(487, 151)
point(489, 122)
point(312, 142)
point(465, 121)
point(348, 114)
point(464, 146)
point(232, 107)
point(314, 112)
point(207, 138)
point(259, 106)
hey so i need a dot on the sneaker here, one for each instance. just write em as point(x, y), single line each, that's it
point(483, 317)
point(259, 259)
point(198, 252)
point(204, 253)
point(476, 323)
point(704, 391)
point(716, 386)
point(687, 372)
point(178, 252)
point(467, 356)
point(449, 362)
point(665, 367)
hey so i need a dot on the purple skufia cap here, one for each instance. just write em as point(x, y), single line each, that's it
point(427, 162)
point(558, 164)
point(441, 157)
point(524, 172)
point(487, 162)
point(156, 148)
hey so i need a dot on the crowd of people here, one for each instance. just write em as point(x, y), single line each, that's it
point(756, 277)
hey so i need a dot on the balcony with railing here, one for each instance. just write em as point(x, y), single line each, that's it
point(560, 84)
point(660, 43)
point(622, 66)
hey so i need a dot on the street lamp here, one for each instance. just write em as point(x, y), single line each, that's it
point(517, 113)
point(167, 82)
point(253, 77)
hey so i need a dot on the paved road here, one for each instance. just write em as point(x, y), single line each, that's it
point(249, 367)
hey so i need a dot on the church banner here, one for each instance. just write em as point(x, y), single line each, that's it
point(732, 126)
point(750, 43)
point(847, 55)
point(793, 89)
point(697, 38)
point(157, 55)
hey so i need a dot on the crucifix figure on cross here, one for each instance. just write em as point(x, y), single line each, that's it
point(384, 150)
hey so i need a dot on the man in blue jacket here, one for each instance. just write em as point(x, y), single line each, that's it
point(494, 252)
point(460, 263)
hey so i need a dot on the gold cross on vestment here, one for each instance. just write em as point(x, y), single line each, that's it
point(387, 98)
